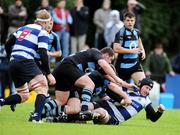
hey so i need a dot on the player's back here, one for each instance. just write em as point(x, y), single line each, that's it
point(28, 39)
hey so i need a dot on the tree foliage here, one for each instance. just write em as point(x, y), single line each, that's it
point(160, 21)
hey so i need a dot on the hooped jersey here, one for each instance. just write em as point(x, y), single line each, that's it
point(28, 39)
point(122, 113)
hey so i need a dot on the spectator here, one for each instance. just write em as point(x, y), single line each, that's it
point(79, 27)
point(101, 17)
point(112, 27)
point(62, 19)
point(137, 8)
point(17, 16)
point(3, 23)
point(158, 65)
point(45, 5)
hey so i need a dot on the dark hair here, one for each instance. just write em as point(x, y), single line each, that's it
point(108, 50)
point(129, 15)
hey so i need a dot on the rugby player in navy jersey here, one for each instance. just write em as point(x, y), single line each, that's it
point(113, 112)
point(129, 46)
point(70, 72)
point(30, 40)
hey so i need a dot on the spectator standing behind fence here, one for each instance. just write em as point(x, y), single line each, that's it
point(79, 27)
point(137, 8)
point(17, 16)
point(62, 19)
point(112, 27)
point(158, 65)
point(45, 5)
point(101, 17)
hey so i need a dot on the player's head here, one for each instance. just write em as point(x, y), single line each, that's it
point(145, 86)
point(43, 17)
point(129, 20)
point(108, 54)
point(50, 26)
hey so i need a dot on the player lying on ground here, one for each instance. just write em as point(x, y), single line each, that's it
point(117, 113)
point(113, 112)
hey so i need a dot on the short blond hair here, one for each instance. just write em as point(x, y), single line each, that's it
point(43, 16)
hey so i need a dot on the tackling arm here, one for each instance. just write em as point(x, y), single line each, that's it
point(152, 115)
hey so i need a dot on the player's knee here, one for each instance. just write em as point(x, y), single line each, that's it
point(23, 92)
point(90, 84)
point(104, 116)
point(41, 86)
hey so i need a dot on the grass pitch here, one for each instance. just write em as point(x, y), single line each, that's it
point(16, 123)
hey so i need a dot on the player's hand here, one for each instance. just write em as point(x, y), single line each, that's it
point(172, 73)
point(135, 50)
point(51, 79)
point(143, 54)
point(148, 73)
point(131, 87)
point(161, 108)
point(126, 101)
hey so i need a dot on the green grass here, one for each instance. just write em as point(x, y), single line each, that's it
point(15, 123)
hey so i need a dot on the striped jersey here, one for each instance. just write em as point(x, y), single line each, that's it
point(122, 113)
point(28, 39)
point(128, 39)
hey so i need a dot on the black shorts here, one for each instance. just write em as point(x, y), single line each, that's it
point(125, 74)
point(66, 73)
point(23, 71)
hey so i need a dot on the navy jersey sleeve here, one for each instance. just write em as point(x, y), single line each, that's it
point(56, 42)
point(9, 44)
point(119, 36)
point(151, 114)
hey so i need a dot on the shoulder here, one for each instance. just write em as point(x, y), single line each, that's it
point(138, 31)
point(121, 31)
point(44, 33)
point(98, 11)
point(11, 7)
point(53, 33)
point(93, 50)
point(23, 8)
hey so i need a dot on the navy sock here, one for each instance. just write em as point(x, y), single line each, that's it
point(39, 103)
point(85, 98)
point(13, 99)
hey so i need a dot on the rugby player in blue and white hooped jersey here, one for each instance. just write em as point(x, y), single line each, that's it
point(115, 113)
point(30, 40)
